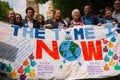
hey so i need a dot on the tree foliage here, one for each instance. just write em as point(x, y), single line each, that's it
point(4, 7)
point(66, 6)
point(41, 1)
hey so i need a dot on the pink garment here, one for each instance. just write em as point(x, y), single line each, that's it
point(75, 23)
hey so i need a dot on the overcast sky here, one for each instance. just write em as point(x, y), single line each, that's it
point(19, 6)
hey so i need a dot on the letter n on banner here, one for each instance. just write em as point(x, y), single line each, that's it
point(89, 50)
point(41, 45)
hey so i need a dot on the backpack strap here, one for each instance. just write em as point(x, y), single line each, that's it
point(82, 19)
point(94, 19)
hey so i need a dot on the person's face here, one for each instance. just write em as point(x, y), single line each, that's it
point(108, 14)
point(11, 14)
point(57, 15)
point(117, 5)
point(40, 19)
point(30, 14)
point(67, 20)
point(18, 18)
point(87, 9)
point(76, 15)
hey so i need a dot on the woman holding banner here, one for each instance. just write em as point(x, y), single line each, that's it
point(56, 22)
point(11, 17)
point(18, 19)
point(40, 21)
point(76, 18)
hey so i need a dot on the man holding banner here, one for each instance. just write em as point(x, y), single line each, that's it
point(116, 13)
point(29, 22)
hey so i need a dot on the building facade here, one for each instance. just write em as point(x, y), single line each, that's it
point(50, 10)
point(34, 5)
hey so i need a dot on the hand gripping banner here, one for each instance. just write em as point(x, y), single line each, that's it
point(75, 53)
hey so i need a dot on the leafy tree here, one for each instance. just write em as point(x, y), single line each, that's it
point(41, 1)
point(66, 6)
point(4, 7)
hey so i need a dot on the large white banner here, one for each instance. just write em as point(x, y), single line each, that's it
point(76, 53)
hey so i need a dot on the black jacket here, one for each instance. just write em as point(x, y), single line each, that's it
point(54, 24)
point(25, 23)
point(39, 25)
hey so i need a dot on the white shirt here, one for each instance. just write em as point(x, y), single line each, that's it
point(30, 24)
point(60, 25)
point(116, 15)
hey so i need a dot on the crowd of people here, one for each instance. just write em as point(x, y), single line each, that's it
point(57, 21)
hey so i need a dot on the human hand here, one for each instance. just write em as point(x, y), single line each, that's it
point(99, 24)
point(114, 23)
point(48, 26)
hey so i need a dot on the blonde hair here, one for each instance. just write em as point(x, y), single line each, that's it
point(75, 10)
point(54, 12)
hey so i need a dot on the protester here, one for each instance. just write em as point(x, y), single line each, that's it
point(108, 17)
point(40, 21)
point(116, 13)
point(56, 22)
point(29, 21)
point(89, 18)
point(76, 18)
point(11, 16)
point(118, 29)
point(67, 22)
point(18, 19)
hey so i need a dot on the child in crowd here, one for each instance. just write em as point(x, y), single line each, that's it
point(108, 17)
